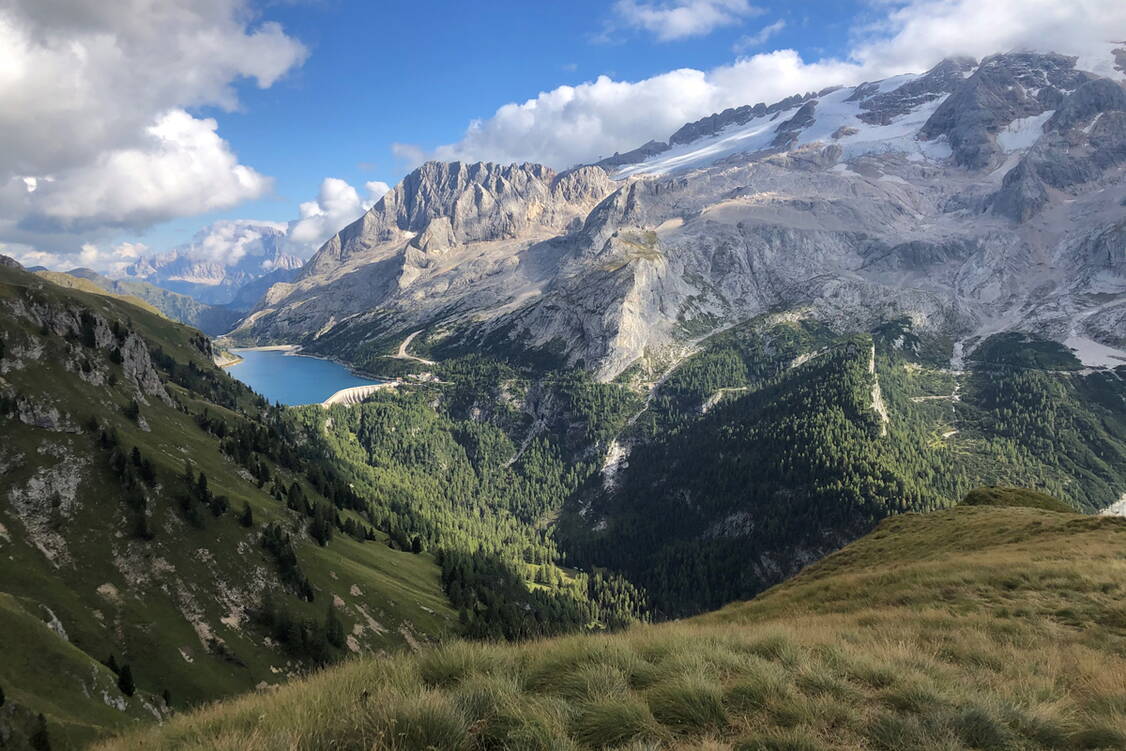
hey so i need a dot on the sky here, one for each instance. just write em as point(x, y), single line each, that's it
point(134, 127)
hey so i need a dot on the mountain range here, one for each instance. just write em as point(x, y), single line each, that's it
point(230, 263)
point(627, 392)
point(976, 198)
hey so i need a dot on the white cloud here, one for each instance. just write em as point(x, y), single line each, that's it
point(228, 242)
point(183, 168)
point(759, 38)
point(336, 205)
point(684, 18)
point(130, 251)
point(78, 78)
point(573, 124)
point(94, 120)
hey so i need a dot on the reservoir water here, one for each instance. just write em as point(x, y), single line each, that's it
point(282, 376)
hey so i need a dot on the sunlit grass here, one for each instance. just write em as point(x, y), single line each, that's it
point(913, 638)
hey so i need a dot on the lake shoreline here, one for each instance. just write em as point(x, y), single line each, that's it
point(254, 376)
point(298, 351)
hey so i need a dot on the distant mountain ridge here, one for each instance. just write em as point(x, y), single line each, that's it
point(247, 252)
point(212, 320)
point(974, 198)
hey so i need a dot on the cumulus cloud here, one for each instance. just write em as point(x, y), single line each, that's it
point(336, 205)
point(80, 78)
point(684, 18)
point(573, 124)
point(182, 168)
point(95, 124)
point(228, 242)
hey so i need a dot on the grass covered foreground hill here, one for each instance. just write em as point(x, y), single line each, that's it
point(164, 538)
point(210, 319)
point(976, 627)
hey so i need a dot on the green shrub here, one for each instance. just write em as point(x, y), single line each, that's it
point(690, 702)
point(614, 722)
point(427, 722)
point(787, 740)
point(760, 683)
point(450, 663)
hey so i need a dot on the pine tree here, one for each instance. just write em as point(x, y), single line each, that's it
point(246, 518)
point(142, 530)
point(1, 696)
point(125, 680)
point(111, 663)
point(39, 740)
point(334, 628)
point(167, 696)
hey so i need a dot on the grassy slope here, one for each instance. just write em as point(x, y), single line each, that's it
point(973, 627)
point(153, 604)
point(211, 319)
point(83, 284)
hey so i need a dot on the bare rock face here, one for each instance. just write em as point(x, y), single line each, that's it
point(1083, 138)
point(1022, 193)
point(49, 496)
point(1004, 88)
point(137, 365)
point(972, 198)
point(880, 108)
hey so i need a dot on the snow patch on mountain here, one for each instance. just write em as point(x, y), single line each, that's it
point(1023, 132)
point(837, 118)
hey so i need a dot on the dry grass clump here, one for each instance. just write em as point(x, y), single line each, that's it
point(946, 654)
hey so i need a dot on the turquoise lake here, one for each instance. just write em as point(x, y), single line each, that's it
point(284, 377)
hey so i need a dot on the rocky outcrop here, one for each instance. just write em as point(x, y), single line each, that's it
point(1004, 88)
point(440, 205)
point(45, 502)
point(1083, 138)
point(1023, 193)
point(880, 108)
point(137, 365)
point(80, 324)
point(788, 131)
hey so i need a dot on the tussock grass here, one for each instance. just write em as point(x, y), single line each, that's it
point(929, 661)
point(690, 702)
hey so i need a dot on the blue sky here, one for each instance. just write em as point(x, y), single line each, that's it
point(130, 126)
point(380, 73)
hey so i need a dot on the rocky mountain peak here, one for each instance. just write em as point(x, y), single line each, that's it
point(441, 204)
point(900, 190)
point(1004, 88)
point(880, 108)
